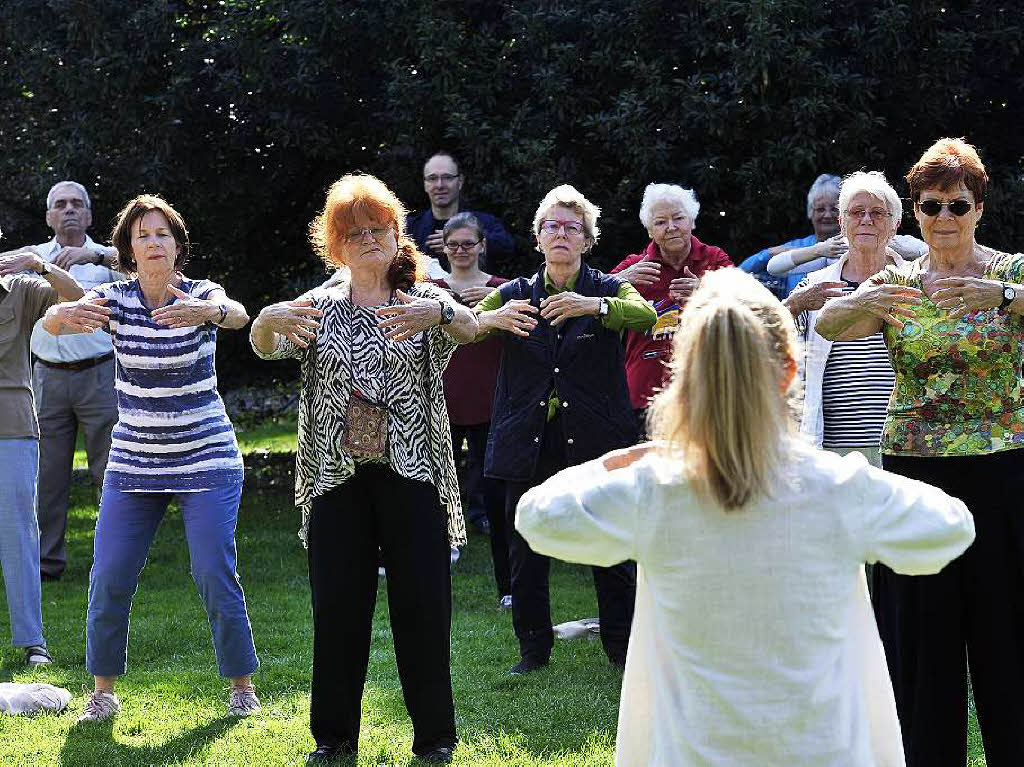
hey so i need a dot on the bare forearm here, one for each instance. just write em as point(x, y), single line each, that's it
point(263, 338)
point(236, 316)
point(843, 319)
point(66, 286)
point(464, 327)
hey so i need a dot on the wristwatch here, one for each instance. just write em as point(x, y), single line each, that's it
point(447, 313)
point(46, 268)
point(1009, 294)
point(602, 310)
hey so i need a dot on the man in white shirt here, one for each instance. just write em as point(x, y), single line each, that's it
point(72, 376)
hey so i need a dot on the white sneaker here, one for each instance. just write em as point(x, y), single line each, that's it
point(243, 702)
point(101, 705)
point(455, 554)
point(505, 603)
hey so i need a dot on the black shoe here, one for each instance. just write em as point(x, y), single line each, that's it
point(527, 665)
point(329, 754)
point(439, 755)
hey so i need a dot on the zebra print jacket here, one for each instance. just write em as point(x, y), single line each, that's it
point(419, 435)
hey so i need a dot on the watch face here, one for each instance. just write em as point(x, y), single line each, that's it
point(1009, 294)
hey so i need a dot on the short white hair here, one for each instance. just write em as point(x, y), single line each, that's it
point(53, 190)
point(826, 182)
point(673, 194)
point(873, 182)
point(570, 197)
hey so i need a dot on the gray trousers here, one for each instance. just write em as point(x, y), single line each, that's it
point(65, 400)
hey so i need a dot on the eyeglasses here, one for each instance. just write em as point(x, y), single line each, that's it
point(875, 214)
point(934, 207)
point(455, 247)
point(356, 235)
point(553, 226)
point(822, 211)
point(447, 178)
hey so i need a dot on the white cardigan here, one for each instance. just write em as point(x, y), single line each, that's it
point(753, 641)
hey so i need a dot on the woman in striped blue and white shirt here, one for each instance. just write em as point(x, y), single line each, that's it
point(172, 438)
point(847, 384)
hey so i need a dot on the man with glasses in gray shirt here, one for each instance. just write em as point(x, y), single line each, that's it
point(72, 376)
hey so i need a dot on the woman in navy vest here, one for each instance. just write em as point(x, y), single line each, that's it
point(561, 399)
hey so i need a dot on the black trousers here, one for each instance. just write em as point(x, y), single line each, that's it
point(971, 612)
point(374, 509)
point(489, 491)
point(531, 601)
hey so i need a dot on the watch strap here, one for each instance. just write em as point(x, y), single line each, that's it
point(1009, 294)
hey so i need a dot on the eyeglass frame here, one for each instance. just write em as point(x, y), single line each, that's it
point(883, 214)
point(945, 205)
point(562, 224)
point(465, 247)
point(447, 178)
point(377, 234)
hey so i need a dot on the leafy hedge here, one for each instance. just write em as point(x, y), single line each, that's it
point(241, 113)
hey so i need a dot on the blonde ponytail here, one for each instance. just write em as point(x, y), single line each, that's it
point(724, 409)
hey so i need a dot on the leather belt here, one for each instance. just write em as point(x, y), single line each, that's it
point(77, 365)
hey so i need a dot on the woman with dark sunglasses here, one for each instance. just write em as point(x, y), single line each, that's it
point(954, 328)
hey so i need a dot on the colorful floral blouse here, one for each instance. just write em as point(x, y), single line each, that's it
point(959, 387)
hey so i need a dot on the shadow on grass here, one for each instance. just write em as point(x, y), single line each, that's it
point(94, 743)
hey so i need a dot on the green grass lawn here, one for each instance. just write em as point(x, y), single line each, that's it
point(173, 701)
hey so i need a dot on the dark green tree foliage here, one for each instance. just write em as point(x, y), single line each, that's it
point(241, 113)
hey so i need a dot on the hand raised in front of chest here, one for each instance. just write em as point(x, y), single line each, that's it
point(413, 315)
point(558, 308)
point(641, 274)
point(515, 316)
point(474, 295)
point(187, 312)
point(298, 320)
point(82, 316)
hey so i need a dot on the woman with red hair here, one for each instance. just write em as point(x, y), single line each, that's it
point(374, 467)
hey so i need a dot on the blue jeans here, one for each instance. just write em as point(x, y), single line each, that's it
point(124, 533)
point(19, 539)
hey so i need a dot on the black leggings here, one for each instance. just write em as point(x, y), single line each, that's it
point(379, 508)
point(973, 610)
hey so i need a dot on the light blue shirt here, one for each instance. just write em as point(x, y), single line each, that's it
point(76, 346)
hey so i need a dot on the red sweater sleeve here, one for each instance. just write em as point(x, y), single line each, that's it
point(629, 261)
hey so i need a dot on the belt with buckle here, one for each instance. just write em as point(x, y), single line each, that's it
point(77, 365)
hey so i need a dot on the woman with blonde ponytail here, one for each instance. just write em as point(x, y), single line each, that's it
point(753, 640)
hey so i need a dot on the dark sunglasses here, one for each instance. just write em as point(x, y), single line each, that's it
point(956, 207)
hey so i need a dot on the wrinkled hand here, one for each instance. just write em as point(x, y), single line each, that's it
point(681, 288)
point(473, 296)
point(641, 274)
point(515, 316)
point(620, 459)
point(68, 256)
point(435, 242)
point(401, 323)
point(84, 315)
point(810, 298)
point(962, 295)
point(188, 312)
point(23, 261)
point(833, 247)
point(295, 320)
point(888, 302)
point(558, 308)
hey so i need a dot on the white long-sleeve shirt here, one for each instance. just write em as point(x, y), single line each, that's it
point(753, 642)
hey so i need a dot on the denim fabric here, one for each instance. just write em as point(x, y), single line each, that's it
point(19, 539)
point(127, 523)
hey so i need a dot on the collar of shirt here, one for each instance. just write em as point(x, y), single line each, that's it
point(49, 249)
point(549, 285)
